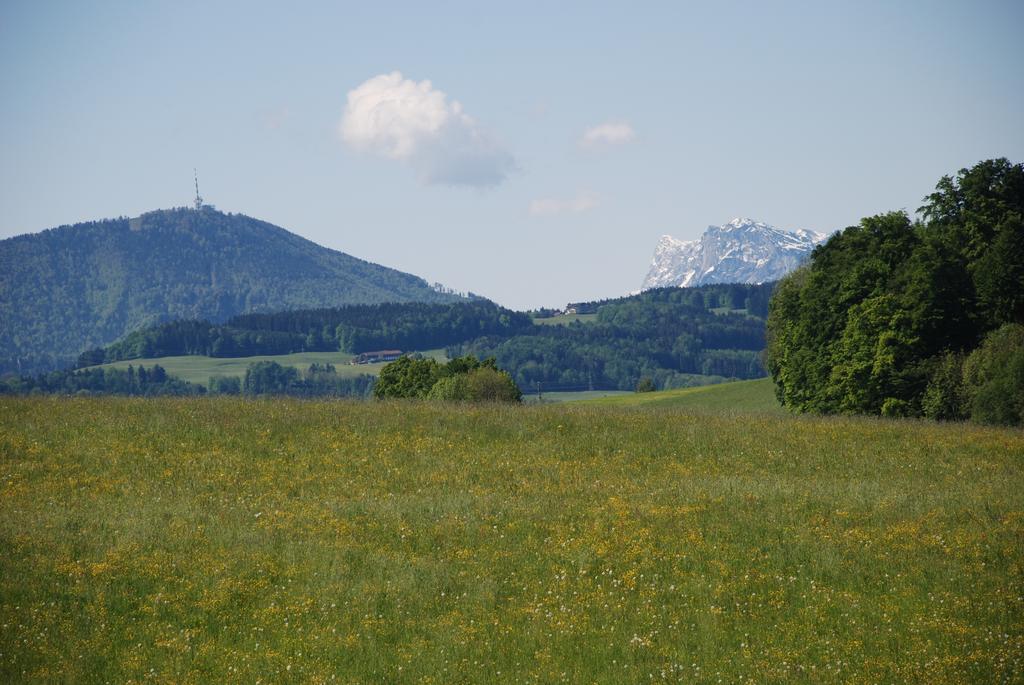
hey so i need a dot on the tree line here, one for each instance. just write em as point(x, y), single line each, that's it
point(140, 381)
point(357, 328)
point(912, 318)
point(261, 378)
point(676, 337)
point(319, 380)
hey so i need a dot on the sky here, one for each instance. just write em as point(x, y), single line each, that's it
point(529, 152)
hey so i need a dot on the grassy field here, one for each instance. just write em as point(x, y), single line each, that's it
point(198, 369)
point(722, 311)
point(574, 396)
point(225, 540)
point(740, 396)
point(564, 319)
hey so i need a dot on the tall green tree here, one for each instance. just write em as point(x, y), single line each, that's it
point(982, 211)
point(816, 353)
point(877, 320)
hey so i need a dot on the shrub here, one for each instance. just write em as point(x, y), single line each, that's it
point(407, 378)
point(225, 385)
point(451, 388)
point(994, 377)
point(463, 378)
point(645, 385)
point(489, 385)
point(894, 407)
point(945, 399)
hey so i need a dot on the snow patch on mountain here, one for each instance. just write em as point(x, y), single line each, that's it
point(741, 251)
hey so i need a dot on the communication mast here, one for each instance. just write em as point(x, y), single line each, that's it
point(199, 199)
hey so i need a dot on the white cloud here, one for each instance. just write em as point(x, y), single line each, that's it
point(548, 205)
point(412, 122)
point(608, 133)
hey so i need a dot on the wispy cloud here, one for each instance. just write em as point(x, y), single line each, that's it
point(582, 202)
point(415, 123)
point(276, 118)
point(608, 133)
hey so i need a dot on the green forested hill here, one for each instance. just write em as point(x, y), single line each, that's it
point(76, 287)
point(674, 337)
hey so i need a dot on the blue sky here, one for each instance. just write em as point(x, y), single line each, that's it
point(582, 131)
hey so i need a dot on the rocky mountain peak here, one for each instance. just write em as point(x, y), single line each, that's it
point(740, 251)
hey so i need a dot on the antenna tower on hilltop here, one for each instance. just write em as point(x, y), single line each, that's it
point(199, 199)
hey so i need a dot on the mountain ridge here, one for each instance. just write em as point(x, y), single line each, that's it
point(75, 287)
point(740, 251)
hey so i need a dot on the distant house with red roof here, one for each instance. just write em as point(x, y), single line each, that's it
point(376, 357)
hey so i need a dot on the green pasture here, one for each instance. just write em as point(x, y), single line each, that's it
point(198, 369)
point(284, 541)
point(573, 396)
point(744, 396)
point(565, 319)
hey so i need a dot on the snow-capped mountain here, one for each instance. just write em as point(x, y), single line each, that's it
point(741, 251)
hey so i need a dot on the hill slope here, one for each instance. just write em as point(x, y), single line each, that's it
point(742, 396)
point(75, 287)
point(668, 335)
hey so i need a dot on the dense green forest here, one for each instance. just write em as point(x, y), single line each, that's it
point(912, 318)
point(77, 287)
point(675, 336)
point(357, 328)
point(150, 382)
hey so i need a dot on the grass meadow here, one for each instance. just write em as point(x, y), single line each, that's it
point(228, 540)
point(736, 396)
point(198, 368)
point(574, 396)
point(565, 319)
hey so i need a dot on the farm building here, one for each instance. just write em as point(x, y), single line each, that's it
point(378, 356)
